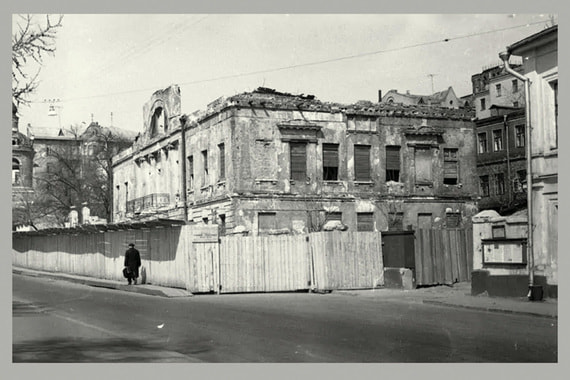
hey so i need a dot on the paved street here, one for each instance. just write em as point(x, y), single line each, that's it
point(59, 321)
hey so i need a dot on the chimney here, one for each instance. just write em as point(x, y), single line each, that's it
point(407, 92)
point(379, 96)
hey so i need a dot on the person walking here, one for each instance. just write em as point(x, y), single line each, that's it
point(132, 263)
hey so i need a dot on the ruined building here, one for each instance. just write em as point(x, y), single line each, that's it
point(270, 162)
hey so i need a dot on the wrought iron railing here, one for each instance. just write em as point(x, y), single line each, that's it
point(148, 202)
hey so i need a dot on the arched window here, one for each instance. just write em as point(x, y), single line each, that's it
point(158, 121)
point(15, 171)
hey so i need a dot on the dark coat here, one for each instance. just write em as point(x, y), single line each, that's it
point(133, 261)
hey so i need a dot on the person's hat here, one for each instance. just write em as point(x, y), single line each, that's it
point(131, 245)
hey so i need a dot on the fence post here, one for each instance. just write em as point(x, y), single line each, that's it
point(311, 264)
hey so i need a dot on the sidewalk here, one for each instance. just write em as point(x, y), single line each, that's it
point(458, 295)
point(147, 289)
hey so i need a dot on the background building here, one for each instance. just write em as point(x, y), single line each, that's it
point(65, 173)
point(22, 169)
point(498, 100)
point(501, 163)
point(271, 162)
point(446, 99)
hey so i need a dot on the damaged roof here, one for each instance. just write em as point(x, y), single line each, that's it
point(264, 97)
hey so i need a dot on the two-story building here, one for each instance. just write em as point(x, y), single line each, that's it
point(272, 162)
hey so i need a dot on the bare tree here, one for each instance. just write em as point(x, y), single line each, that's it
point(31, 41)
point(78, 172)
point(392, 211)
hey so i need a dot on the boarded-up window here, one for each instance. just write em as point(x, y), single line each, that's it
point(395, 221)
point(334, 216)
point(393, 163)
point(365, 221)
point(424, 220)
point(330, 162)
point(450, 167)
point(423, 165)
point(362, 163)
point(453, 219)
point(498, 232)
point(266, 221)
point(222, 162)
point(298, 159)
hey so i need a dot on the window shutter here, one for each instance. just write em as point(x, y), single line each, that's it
point(362, 162)
point(365, 221)
point(423, 165)
point(335, 216)
point(266, 221)
point(330, 155)
point(298, 161)
point(450, 169)
point(392, 158)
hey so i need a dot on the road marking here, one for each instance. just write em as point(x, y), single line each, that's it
point(88, 325)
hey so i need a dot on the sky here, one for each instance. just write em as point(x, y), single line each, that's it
point(107, 66)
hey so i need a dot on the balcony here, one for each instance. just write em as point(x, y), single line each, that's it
point(148, 202)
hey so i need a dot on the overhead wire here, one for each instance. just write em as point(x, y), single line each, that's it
point(135, 51)
point(314, 63)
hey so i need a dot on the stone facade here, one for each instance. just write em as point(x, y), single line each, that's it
point(270, 162)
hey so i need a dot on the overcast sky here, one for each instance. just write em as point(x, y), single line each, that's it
point(113, 63)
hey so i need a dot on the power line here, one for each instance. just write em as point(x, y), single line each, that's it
point(354, 56)
point(135, 51)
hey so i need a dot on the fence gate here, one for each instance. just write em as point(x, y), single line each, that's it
point(398, 250)
point(204, 260)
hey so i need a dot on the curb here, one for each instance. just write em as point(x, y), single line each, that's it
point(490, 309)
point(140, 289)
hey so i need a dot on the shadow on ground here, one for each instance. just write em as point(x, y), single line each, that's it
point(97, 351)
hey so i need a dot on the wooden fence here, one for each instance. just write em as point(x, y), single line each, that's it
point(171, 256)
point(443, 256)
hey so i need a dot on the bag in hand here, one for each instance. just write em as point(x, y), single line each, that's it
point(126, 272)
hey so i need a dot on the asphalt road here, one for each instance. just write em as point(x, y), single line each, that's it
point(56, 321)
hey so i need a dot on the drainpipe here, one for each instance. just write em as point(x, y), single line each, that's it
point(509, 187)
point(530, 251)
point(183, 165)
